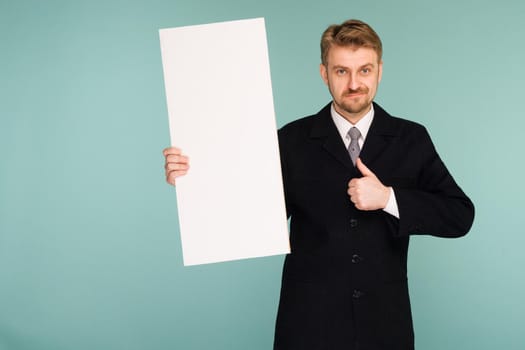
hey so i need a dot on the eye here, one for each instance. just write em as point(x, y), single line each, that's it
point(366, 70)
point(340, 71)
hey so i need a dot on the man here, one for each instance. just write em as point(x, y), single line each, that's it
point(358, 182)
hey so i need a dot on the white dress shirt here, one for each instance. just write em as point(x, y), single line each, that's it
point(363, 125)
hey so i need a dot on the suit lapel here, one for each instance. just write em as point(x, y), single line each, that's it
point(380, 136)
point(378, 139)
point(325, 131)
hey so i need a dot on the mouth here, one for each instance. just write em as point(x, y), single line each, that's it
point(354, 95)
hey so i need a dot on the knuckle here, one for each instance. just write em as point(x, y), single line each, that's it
point(171, 150)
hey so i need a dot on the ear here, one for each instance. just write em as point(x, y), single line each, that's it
point(380, 71)
point(324, 73)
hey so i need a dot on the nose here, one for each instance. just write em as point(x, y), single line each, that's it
point(353, 82)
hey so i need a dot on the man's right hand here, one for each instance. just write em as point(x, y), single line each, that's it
point(176, 164)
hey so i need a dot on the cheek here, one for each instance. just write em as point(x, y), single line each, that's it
point(372, 85)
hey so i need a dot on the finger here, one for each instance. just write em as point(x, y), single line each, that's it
point(175, 167)
point(175, 173)
point(171, 176)
point(171, 179)
point(358, 201)
point(171, 150)
point(354, 194)
point(363, 169)
point(173, 158)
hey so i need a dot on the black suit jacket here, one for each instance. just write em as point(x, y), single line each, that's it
point(344, 284)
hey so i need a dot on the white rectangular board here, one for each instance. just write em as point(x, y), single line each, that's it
point(221, 114)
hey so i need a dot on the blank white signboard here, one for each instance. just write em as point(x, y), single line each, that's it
point(221, 114)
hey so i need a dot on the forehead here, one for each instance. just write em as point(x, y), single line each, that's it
point(351, 56)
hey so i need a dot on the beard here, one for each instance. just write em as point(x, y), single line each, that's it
point(354, 105)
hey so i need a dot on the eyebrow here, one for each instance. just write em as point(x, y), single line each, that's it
point(363, 66)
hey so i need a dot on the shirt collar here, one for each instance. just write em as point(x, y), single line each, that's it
point(344, 125)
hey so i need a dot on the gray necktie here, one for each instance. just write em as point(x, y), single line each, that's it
point(353, 148)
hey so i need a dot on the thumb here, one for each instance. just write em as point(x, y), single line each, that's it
point(363, 169)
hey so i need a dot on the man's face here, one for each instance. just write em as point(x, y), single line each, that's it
point(352, 76)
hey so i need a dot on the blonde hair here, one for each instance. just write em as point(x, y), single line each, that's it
point(350, 33)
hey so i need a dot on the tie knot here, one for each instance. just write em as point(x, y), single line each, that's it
point(354, 133)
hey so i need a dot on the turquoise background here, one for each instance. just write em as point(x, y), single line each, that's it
point(90, 254)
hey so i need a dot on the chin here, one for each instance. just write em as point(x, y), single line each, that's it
point(355, 109)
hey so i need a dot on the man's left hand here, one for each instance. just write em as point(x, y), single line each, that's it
point(367, 192)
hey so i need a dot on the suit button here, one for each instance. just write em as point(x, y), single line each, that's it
point(353, 223)
point(356, 259)
point(357, 294)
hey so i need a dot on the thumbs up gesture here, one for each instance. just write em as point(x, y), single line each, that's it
point(367, 192)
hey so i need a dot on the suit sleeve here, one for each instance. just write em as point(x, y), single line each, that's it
point(436, 205)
